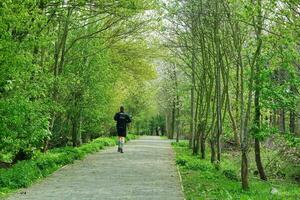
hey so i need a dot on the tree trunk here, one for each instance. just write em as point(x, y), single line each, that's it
point(218, 79)
point(202, 145)
point(233, 123)
point(177, 106)
point(244, 171)
point(259, 164)
point(282, 120)
point(297, 120)
point(177, 132)
point(292, 121)
point(162, 130)
point(192, 126)
point(167, 124)
point(257, 117)
point(258, 161)
point(212, 150)
point(173, 119)
point(197, 144)
point(193, 82)
point(74, 131)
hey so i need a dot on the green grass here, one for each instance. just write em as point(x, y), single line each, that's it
point(201, 180)
point(24, 173)
point(164, 137)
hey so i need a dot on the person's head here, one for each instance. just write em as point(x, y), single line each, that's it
point(122, 109)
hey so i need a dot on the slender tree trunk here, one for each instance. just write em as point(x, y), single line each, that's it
point(244, 171)
point(177, 126)
point(292, 121)
point(74, 131)
point(193, 108)
point(258, 161)
point(202, 141)
point(167, 124)
point(218, 79)
point(297, 120)
point(234, 128)
point(212, 148)
point(282, 120)
point(257, 115)
point(173, 119)
point(177, 107)
point(193, 83)
point(259, 164)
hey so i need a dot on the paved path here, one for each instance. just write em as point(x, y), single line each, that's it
point(145, 171)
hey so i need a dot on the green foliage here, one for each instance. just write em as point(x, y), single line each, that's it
point(229, 173)
point(180, 144)
point(237, 66)
point(131, 137)
point(181, 161)
point(263, 132)
point(64, 73)
point(24, 104)
point(202, 181)
point(292, 140)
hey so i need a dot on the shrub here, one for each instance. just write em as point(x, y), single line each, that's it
point(180, 144)
point(21, 175)
point(198, 165)
point(131, 137)
point(230, 174)
point(181, 161)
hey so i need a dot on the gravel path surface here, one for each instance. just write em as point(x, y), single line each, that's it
point(145, 171)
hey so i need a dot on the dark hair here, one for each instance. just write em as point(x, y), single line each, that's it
point(122, 108)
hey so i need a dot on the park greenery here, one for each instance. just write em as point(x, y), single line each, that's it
point(67, 66)
point(233, 77)
point(223, 75)
point(201, 180)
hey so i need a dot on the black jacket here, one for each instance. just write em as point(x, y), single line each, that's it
point(122, 120)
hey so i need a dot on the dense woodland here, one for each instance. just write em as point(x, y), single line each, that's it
point(221, 74)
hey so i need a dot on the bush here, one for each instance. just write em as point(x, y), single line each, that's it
point(21, 175)
point(198, 165)
point(230, 174)
point(181, 161)
point(180, 144)
point(131, 137)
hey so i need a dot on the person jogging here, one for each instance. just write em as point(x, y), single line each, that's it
point(122, 120)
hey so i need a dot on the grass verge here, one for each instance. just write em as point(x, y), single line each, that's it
point(24, 173)
point(201, 180)
point(163, 137)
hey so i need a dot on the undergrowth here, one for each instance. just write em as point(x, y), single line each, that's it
point(201, 180)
